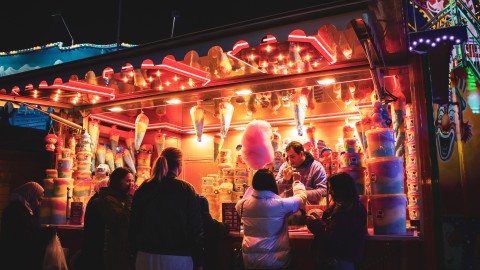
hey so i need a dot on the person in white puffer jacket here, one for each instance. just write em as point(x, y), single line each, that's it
point(264, 215)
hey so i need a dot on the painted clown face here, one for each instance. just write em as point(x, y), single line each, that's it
point(445, 126)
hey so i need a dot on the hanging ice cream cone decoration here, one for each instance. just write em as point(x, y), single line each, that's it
point(197, 113)
point(311, 134)
point(300, 104)
point(145, 155)
point(118, 161)
point(101, 150)
point(141, 124)
point(72, 143)
point(114, 137)
point(159, 142)
point(130, 142)
point(276, 139)
point(226, 113)
point(94, 131)
point(217, 145)
point(109, 159)
point(127, 157)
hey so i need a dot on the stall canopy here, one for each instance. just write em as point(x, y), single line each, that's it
point(271, 55)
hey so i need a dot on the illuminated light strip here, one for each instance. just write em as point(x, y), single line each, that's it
point(35, 101)
point(81, 87)
point(164, 125)
point(216, 127)
point(316, 41)
point(114, 121)
point(127, 67)
point(332, 116)
point(170, 64)
point(247, 64)
point(15, 90)
point(240, 45)
point(269, 39)
point(107, 72)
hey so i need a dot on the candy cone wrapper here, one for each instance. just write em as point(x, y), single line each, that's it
point(94, 131)
point(197, 113)
point(159, 142)
point(130, 142)
point(127, 157)
point(141, 124)
point(226, 113)
point(101, 149)
point(300, 103)
point(217, 145)
point(109, 158)
point(118, 161)
point(311, 134)
point(114, 137)
point(276, 138)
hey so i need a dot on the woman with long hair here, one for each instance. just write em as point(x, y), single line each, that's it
point(166, 224)
point(340, 232)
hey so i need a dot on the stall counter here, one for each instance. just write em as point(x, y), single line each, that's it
point(381, 251)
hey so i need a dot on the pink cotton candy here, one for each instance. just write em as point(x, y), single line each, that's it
point(257, 147)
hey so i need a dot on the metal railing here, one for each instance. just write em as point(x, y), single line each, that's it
point(457, 13)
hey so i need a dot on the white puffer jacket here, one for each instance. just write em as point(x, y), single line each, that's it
point(264, 215)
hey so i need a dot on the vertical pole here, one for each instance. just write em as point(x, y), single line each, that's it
point(173, 26)
point(119, 23)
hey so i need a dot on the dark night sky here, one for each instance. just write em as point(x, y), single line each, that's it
point(25, 24)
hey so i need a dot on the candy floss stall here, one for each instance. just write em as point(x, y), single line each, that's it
point(323, 78)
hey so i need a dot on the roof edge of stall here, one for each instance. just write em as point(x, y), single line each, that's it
point(224, 36)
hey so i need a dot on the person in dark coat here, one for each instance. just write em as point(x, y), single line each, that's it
point(106, 224)
point(166, 228)
point(341, 231)
point(22, 238)
point(215, 233)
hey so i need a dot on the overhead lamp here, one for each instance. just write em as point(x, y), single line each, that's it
point(326, 81)
point(243, 92)
point(116, 109)
point(174, 101)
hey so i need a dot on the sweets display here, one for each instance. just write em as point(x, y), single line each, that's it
point(381, 142)
point(389, 213)
point(386, 175)
point(411, 166)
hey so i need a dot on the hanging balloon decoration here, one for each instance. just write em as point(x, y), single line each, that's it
point(197, 113)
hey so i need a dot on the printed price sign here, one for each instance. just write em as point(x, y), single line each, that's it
point(230, 216)
point(76, 213)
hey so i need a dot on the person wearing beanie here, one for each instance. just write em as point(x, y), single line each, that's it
point(264, 215)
